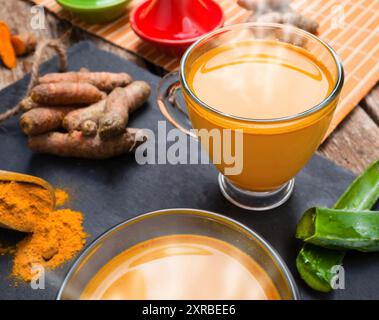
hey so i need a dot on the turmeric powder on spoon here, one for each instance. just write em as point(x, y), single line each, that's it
point(55, 236)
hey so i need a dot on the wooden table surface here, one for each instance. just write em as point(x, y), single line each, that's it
point(353, 145)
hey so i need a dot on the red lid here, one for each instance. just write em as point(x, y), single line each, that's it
point(176, 21)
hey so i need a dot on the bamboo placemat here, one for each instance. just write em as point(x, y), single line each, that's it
point(351, 27)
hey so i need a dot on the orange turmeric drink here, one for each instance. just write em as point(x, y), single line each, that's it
point(175, 266)
point(260, 80)
point(263, 80)
point(265, 94)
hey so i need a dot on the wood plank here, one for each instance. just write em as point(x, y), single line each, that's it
point(355, 143)
point(371, 104)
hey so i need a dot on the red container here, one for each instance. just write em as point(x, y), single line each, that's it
point(173, 25)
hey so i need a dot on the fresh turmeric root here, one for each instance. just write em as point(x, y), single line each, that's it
point(89, 127)
point(104, 81)
point(120, 103)
point(7, 53)
point(24, 43)
point(27, 104)
point(278, 11)
point(66, 93)
point(85, 119)
point(44, 119)
point(76, 145)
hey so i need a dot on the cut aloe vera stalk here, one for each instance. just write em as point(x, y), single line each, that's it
point(340, 229)
point(315, 264)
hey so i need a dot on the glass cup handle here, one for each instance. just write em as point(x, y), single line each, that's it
point(171, 103)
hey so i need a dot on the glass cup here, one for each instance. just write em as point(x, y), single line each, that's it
point(274, 150)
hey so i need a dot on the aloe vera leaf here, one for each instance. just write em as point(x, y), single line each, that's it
point(363, 192)
point(315, 264)
point(340, 229)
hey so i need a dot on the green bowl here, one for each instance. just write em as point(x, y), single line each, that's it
point(95, 11)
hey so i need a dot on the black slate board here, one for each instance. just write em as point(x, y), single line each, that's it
point(109, 192)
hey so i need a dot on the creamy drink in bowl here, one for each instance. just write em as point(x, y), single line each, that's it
point(264, 93)
point(173, 267)
point(179, 254)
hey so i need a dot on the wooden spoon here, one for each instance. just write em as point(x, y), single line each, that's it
point(8, 176)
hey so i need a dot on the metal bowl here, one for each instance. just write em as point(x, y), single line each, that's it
point(176, 221)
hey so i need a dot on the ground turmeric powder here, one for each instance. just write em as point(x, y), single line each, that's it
point(61, 197)
point(52, 243)
point(54, 236)
point(22, 204)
